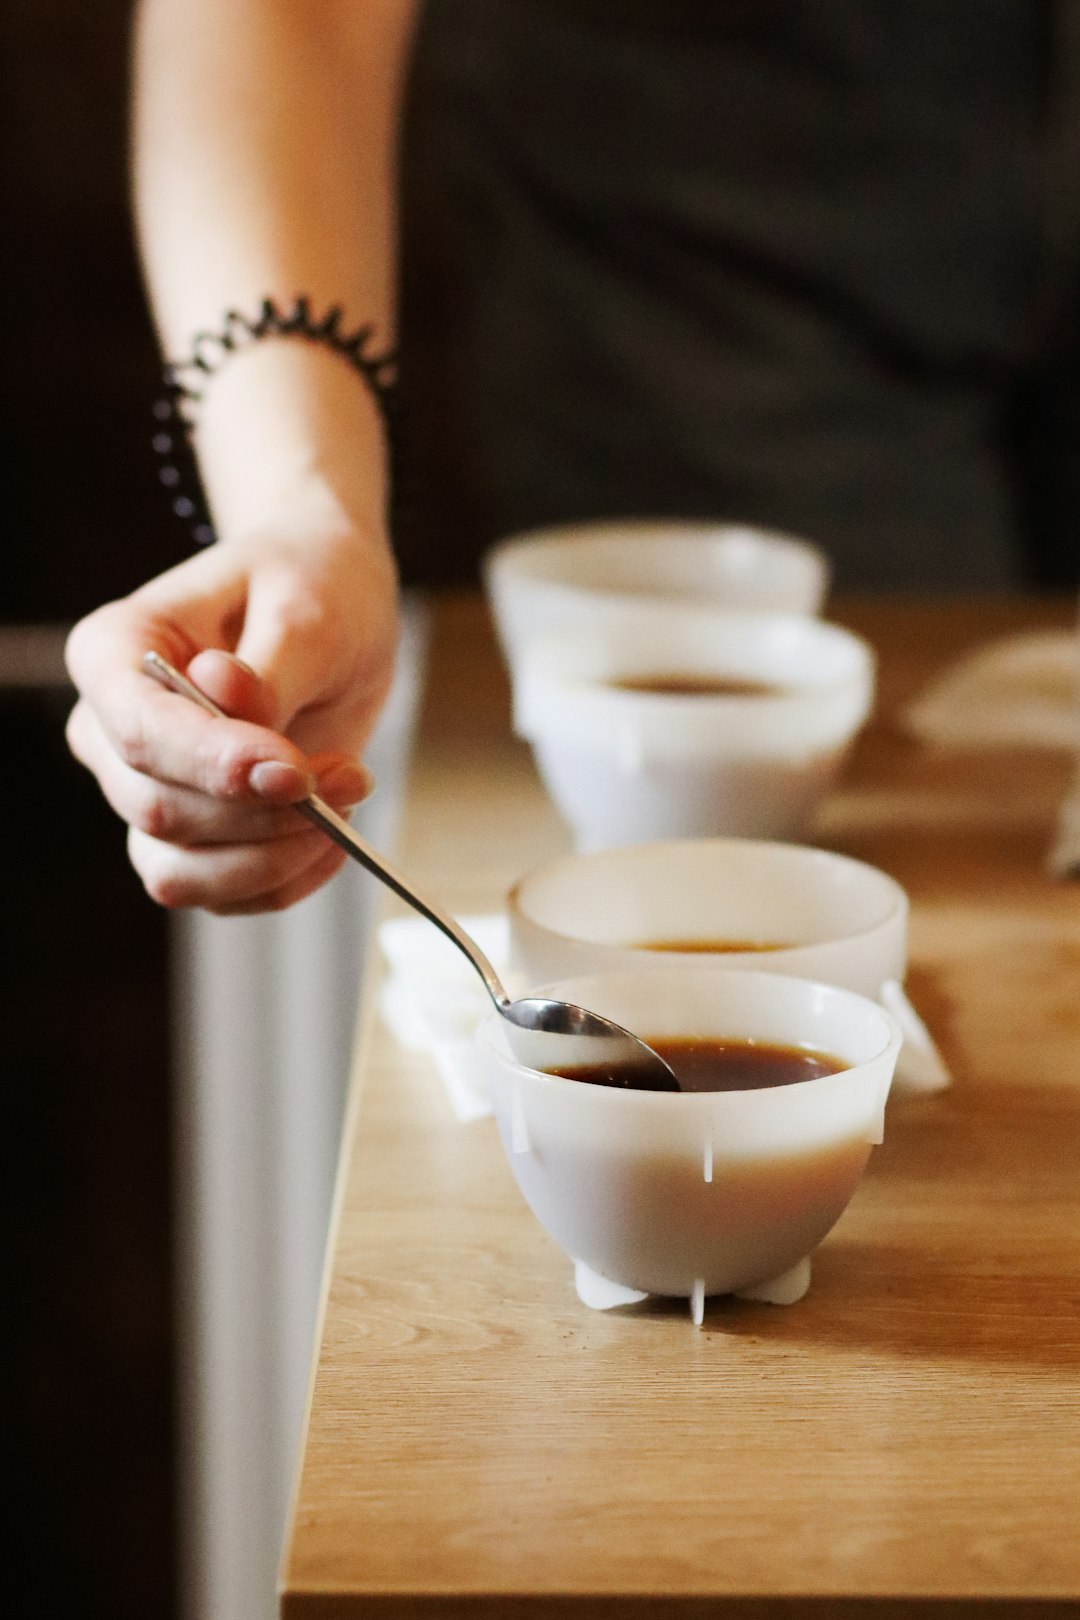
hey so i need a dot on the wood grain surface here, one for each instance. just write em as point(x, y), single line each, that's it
point(904, 1440)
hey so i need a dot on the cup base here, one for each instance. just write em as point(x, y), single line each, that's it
point(601, 1294)
point(787, 1289)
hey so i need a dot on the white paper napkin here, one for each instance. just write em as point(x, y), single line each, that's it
point(1022, 690)
point(433, 1001)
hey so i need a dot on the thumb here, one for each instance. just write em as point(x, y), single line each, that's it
point(285, 642)
point(232, 685)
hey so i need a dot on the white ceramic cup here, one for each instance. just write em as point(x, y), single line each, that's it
point(691, 1194)
point(563, 577)
point(624, 766)
point(824, 916)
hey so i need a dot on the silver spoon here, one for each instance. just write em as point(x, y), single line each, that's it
point(543, 1034)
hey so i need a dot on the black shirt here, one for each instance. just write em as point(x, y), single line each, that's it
point(809, 263)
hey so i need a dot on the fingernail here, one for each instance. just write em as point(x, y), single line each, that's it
point(240, 664)
point(345, 784)
point(280, 783)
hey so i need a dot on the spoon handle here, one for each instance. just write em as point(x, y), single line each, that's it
point(337, 828)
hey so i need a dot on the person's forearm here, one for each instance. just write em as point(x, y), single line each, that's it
point(264, 159)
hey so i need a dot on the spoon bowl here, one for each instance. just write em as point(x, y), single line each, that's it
point(559, 1036)
point(542, 1033)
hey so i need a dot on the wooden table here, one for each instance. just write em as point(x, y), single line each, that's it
point(906, 1439)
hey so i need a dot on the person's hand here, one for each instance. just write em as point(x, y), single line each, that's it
point(295, 637)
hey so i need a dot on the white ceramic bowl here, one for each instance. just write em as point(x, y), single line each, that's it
point(836, 919)
point(624, 766)
point(554, 578)
point(692, 1194)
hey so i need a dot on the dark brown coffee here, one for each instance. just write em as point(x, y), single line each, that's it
point(702, 1063)
point(698, 686)
point(712, 946)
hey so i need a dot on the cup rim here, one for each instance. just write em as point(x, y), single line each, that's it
point(492, 1021)
point(899, 903)
point(564, 691)
point(543, 663)
point(642, 531)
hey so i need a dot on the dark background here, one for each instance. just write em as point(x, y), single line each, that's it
point(87, 1194)
point(86, 1191)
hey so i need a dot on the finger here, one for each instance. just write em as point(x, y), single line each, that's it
point(168, 737)
point(182, 815)
point(165, 811)
point(341, 780)
point(285, 638)
point(225, 874)
point(233, 685)
point(290, 893)
point(162, 734)
point(117, 635)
